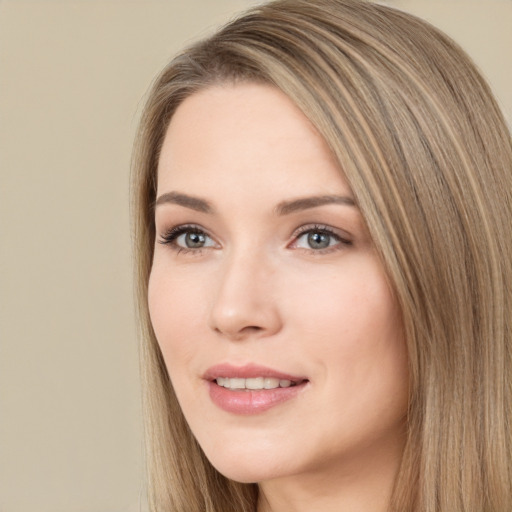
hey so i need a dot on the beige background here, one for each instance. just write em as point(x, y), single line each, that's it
point(72, 75)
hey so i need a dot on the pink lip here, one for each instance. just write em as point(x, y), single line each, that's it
point(254, 401)
point(246, 372)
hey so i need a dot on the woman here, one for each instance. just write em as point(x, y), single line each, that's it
point(322, 197)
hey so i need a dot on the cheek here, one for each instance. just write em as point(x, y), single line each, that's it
point(356, 303)
point(174, 310)
point(352, 327)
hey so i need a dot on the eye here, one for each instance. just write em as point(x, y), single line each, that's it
point(187, 238)
point(319, 238)
point(192, 240)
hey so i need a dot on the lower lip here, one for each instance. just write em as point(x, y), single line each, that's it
point(251, 401)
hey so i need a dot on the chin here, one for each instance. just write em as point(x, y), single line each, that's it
point(239, 473)
point(244, 469)
point(241, 476)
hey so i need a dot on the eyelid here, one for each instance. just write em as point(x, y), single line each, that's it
point(341, 236)
point(169, 236)
point(315, 226)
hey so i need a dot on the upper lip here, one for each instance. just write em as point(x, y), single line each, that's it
point(247, 371)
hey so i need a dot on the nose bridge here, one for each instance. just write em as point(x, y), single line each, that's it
point(244, 302)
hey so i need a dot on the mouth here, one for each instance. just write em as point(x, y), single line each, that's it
point(251, 377)
point(255, 383)
point(251, 389)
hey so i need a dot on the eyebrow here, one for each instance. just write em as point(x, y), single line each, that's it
point(283, 208)
point(304, 203)
point(194, 203)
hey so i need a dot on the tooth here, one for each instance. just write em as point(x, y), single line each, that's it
point(271, 383)
point(254, 383)
point(236, 383)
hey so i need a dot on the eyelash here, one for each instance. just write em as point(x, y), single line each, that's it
point(324, 230)
point(169, 238)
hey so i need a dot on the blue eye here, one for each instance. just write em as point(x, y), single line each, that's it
point(192, 240)
point(187, 238)
point(319, 238)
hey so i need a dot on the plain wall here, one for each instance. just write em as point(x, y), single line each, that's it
point(72, 77)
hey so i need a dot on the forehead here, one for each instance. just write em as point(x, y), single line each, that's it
point(248, 135)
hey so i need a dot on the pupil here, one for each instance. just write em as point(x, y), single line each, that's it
point(194, 240)
point(318, 240)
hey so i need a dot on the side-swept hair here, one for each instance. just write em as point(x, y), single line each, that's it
point(428, 156)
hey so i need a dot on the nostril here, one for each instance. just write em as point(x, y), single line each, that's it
point(239, 315)
point(245, 332)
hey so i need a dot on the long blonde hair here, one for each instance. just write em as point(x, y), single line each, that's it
point(429, 159)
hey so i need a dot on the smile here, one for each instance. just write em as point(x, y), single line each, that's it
point(255, 383)
point(251, 389)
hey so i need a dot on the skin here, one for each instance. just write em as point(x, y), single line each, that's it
point(259, 292)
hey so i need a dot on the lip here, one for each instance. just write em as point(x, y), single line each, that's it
point(250, 401)
point(247, 371)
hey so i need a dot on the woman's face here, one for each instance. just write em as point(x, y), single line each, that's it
point(278, 327)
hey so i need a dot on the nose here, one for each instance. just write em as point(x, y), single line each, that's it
point(245, 304)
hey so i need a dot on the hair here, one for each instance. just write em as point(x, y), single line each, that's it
point(428, 157)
